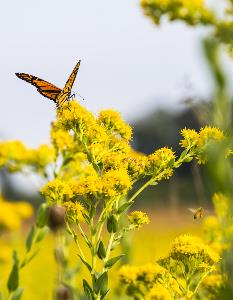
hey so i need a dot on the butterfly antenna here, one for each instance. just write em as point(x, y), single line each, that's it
point(76, 93)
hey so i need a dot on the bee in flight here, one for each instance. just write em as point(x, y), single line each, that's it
point(198, 213)
point(48, 90)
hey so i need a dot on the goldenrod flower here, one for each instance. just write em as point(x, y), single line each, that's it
point(189, 247)
point(128, 274)
point(137, 163)
point(190, 138)
point(116, 183)
point(209, 133)
point(73, 115)
point(90, 185)
point(138, 218)
point(159, 292)
point(62, 140)
point(112, 121)
point(161, 160)
point(57, 191)
point(74, 211)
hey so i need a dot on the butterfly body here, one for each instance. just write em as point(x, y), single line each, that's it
point(49, 90)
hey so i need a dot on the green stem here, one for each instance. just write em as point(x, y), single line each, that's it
point(141, 189)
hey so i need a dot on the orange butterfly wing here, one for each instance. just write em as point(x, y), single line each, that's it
point(45, 88)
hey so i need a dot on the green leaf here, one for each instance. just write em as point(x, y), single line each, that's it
point(41, 233)
point(30, 238)
point(88, 242)
point(112, 224)
point(188, 159)
point(93, 211)
point(123, 207)
point(104, 295)
point(86, 218)
point(101, 252)
point(28, 259)
point(171, 163)
point(85, 263)
point(13, 280)
point(17, 294)
point(87, 289)
point(42, 215)
point(101, 284)
point(113, 260)
point(183, 154)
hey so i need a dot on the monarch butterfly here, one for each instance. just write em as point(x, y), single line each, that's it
point(198, 213)
point(48, 90)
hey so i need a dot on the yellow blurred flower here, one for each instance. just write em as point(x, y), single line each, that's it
point(209, 133)
point(13, 213)
point(159, 292)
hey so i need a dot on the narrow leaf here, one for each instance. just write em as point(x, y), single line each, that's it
point(113, 260)
point(101, 284)
point(42, 215)
point(13, 280)
point(41, 233)
point(112, 224)
point(101, 252)
point(123, 207)
point(104, 295)
point(87, 289)
point(30, 238)
point(85, 263)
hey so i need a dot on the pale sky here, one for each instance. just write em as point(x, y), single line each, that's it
point(128, 63)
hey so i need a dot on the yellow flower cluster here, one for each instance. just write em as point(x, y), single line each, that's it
point(193, 138)
point(74, 211)
point(191, 11)
point(113, 183)
point(61, 139)
point(112, 121)
point(14, 156)
point(193, 249)
point(176, 276)
point(198, 142)
point(57, 191)
point(73, 115)
point(148, 273)
point(159, 292)
point(212, 285)
point(160, 163)
point(13, 213)
point(146, 280)
point(76, 167)
point(138, 218)
point(218, 229)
